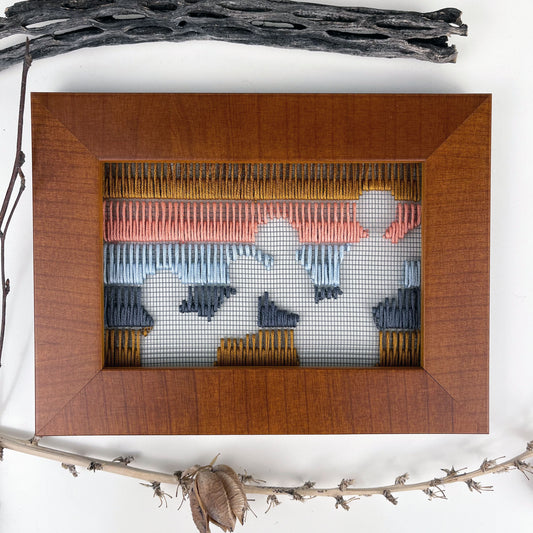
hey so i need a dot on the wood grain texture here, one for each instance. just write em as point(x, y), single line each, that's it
point(456, 252)
point(255, 401)
point(67, 265)
point(72, 134)
point(260, 127)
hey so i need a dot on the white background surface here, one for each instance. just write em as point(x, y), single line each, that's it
point(36, 495)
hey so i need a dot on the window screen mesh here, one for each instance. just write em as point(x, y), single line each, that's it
point(317, 265)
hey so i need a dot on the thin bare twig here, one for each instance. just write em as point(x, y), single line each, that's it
point(16, 173)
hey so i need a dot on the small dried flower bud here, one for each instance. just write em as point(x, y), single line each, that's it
point(93, 467)
point(475, 486)
point(452, 472)
point(400, 480)
point(124, 460)
point(341, 502)
point(345, 483)
point(247, 478)
point(71, 469)
point(523, 467)
point(272, 501)
point(390, 497)
point(159, 492)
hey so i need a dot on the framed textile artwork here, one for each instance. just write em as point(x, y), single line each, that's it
point(232, 264)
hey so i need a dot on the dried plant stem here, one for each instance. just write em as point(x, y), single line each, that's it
point(32, 447)
point(16, 173)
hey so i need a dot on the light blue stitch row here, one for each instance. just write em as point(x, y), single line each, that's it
point(411, 274)
point(130, 263)
point(323, 262)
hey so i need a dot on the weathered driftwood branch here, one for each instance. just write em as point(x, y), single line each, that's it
point(60, 26)
point(433, 488)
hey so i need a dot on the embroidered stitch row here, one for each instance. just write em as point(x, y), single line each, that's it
point(401, 313)
point(411, 274)
point(130, 263)
point(206, 300)
point(122, 347)
point(399, 348)
point(323, 263)
point(232, 222)
point(123, 308)
point(261, 181)
point(327, 293)
point(269, 315)
point(408, 217)
point(267, 347)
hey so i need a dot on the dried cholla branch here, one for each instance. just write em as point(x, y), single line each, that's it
point(529, 446)
point(400, 480)
point(71, 469)
point(60, 26)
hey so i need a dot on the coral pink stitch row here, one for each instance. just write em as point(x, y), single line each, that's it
point(236, 222)
point(408, 217)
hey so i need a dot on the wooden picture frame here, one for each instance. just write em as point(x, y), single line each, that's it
point(76, 395)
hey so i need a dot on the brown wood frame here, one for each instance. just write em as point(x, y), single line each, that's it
point(74, 133)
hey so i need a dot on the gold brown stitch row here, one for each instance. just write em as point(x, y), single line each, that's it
point(399, 348)
point(261, 181)
point(122, 347)
point(265, 348)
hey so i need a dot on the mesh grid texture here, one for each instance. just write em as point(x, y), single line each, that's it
point(333, 332)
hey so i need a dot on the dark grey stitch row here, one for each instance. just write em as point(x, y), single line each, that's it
point(206, 300)
point(401, 313)
point(123, 308)
point(269, 315)
point(326, 292)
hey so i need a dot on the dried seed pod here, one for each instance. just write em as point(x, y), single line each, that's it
point(216, 495)
point(213, 499)
point(198, 515)
point(234, 490)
